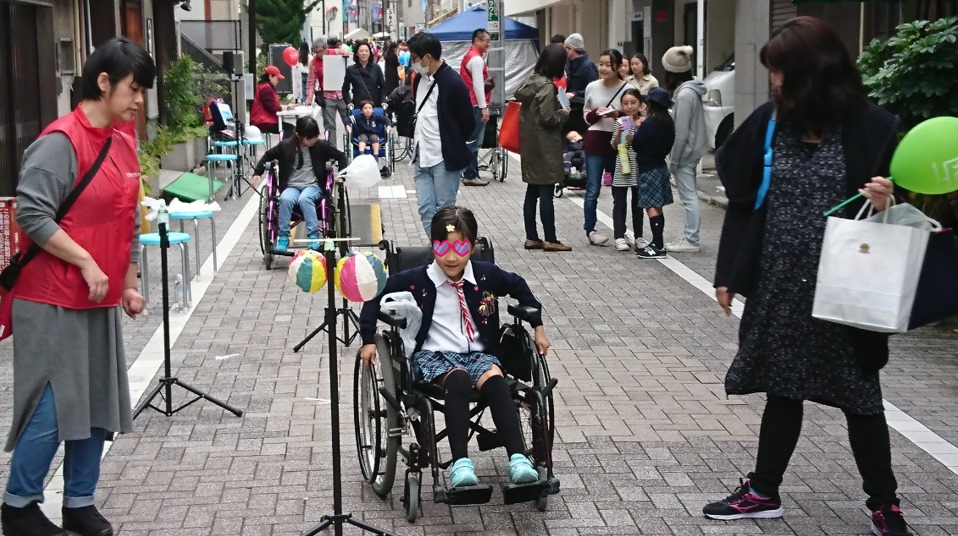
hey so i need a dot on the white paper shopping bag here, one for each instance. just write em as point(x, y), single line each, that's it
point(868, 273)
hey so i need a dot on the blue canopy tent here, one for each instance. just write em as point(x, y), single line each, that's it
point(521, 44)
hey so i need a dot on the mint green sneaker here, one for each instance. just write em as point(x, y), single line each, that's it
point(521, 470)
point(463, 473)
point(282, 244)
point(314, 245)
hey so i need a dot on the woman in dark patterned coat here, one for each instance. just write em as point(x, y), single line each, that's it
point(829, 144)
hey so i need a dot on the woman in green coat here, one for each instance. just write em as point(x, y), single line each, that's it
point(540, 146)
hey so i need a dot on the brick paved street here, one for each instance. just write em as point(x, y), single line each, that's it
point(645, 433)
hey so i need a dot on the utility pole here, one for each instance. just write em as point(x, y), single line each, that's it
point(251, 7)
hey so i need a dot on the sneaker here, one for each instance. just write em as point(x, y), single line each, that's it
point(640, 243)
point(533, 244)
point(682, 245)
point(282, 245)
point(651, 252)
point(743, 504)
point(521, 470)
point(629, 236)
point(597, 239)
point(888, 521)
point(621, 245)
point(463, 473)
point(314, 244)
point(556, 246)
point(86, 521)
point(27, 521)
point(385, 172)
point(475, 182)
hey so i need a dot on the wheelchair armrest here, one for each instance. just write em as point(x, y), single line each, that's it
point(394, 321)
point(522, 312)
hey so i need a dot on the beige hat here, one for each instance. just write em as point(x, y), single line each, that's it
point(678, 59)
point(575, 41)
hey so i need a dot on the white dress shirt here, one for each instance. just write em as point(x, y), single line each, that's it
point(427, 138)
point(448, 333)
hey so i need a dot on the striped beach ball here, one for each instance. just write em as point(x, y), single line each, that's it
point(360, 277)
point(307, 270)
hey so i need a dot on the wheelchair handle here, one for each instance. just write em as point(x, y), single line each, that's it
point(394, 321)
point(522, 312)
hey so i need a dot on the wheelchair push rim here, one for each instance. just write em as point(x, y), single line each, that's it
point(377, 423)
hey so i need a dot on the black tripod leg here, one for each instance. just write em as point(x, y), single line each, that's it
point(366, 527)
point(323, 524)
point(149, 399)
point(309, 337)
point(204, 396)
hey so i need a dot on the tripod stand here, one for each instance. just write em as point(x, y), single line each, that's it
point(168, 380)
point(349, 317)
point(337, 518)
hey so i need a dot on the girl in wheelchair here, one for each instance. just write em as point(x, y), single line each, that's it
point(302, 172)
point(458, 338)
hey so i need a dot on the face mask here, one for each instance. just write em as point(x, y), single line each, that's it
point(420, 70)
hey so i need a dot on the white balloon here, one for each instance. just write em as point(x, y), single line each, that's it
point(362, 172)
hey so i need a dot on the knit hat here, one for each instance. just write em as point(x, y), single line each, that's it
point(678, 59)
point(575, 41)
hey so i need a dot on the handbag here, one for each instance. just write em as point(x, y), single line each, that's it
point(489, 84)
point(509, 128)
point(319, 98)
point(414, 117)
point(868, 273)
point(937, 295)
point(10, 274)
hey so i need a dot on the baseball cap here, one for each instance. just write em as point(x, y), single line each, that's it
point(272, 70)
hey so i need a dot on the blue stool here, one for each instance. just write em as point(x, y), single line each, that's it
point(180, 239)
point(196, 217)
point(214, 159)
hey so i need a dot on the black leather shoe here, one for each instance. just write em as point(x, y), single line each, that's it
point(27, 521)
point(86, 521)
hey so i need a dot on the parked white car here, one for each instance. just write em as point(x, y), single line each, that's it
point(719, 103)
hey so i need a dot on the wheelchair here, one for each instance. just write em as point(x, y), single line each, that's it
point(496, 159)
point(387, 142)
point(389, 404)
point(332, 210)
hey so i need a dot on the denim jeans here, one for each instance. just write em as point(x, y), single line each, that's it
point(34, 453)
point(685, 183)
point(436, 188)
point(472, 170)
point(306, 199)
point(541, 194)
point(594, 166)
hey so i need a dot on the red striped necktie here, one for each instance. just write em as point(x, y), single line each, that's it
point(464, 309)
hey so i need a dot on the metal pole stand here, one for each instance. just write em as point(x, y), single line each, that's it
point(337, 518)
point(168, 380)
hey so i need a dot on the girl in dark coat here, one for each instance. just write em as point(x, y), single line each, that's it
point(829, 143)
point(541, 147)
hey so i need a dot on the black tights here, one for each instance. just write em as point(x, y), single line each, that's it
point(868, 435)
point(495, 394)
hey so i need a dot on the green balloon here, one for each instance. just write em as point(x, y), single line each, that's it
point(926, 160)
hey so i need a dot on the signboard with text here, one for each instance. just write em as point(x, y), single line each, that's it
point(492, 20)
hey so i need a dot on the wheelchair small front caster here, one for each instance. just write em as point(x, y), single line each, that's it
point(411, 496)
point(543, 502)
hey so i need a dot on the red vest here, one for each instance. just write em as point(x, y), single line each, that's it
point(259, 115)
point(102, 221)
point(466, 75)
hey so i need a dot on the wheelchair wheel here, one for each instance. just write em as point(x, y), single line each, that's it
point(503, 163)
point(377, 423)
point(266, 226)
point(411, 496)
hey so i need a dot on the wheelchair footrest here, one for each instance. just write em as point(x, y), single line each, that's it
point(286, 253)
point(519, 493)
point(468, 495)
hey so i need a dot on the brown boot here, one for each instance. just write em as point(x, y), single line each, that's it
point(556, 246)
point(533, 244)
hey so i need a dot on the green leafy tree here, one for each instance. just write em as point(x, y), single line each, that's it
point(913, 75)
point(280, 21)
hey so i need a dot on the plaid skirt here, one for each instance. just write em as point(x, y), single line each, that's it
point(428, 365)
point(654, 188)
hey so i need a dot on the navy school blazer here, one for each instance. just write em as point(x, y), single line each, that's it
point(492, 283)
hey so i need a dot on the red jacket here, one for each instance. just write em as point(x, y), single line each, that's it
point(265, 105)
point(102, 221)
point(467, 75)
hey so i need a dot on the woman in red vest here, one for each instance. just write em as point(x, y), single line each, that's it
point(262, 113)
point(69, 369)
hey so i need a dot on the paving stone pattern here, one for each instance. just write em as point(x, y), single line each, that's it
point(645, 433)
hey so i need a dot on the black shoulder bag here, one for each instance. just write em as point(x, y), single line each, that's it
point(10, 274)
point(415, 116)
